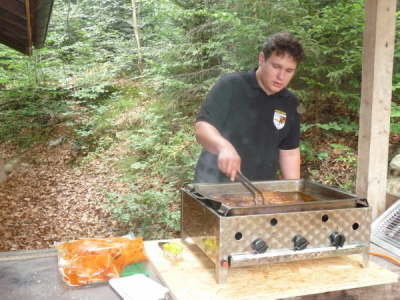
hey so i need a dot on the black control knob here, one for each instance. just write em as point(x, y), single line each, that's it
point(259, 246)
point(299, 243)
point(337, 239)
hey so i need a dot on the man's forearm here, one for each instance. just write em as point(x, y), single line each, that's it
point(289, 161)
point(209, 137)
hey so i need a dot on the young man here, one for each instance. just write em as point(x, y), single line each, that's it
point(249, 121)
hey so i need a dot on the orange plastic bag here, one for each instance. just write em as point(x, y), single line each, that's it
point(93, 260)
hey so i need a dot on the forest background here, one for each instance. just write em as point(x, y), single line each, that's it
point(134, 73)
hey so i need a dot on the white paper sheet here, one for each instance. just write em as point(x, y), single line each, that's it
point(138, 287)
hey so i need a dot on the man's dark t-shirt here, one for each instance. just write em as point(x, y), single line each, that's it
point(256, 124)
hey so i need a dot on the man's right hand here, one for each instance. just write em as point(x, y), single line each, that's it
point(229, 161)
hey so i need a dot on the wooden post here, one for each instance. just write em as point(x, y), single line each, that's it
point(376, 93)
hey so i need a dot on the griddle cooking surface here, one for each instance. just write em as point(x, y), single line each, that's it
point(232, 199)
point(270, 197)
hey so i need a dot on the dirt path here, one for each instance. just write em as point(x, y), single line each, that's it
point(44, 200)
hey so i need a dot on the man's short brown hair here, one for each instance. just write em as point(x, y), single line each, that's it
point(283, 42)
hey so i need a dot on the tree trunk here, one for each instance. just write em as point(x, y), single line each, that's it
point(137, 38)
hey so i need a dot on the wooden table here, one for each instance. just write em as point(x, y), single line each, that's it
point(33, 275)
point(389, 291)
point(328, 278)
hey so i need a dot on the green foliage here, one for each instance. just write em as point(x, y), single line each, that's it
point(16, 71)
point(162, 158)
point(395, 118)
point(342, 126)
point(340, 147)
point(309, 154)
point(94, 83)
point(26, 114)
point(100, 128)
point(322, 155)
point(307, 151)
point(165, 147)
point(181, 55)
point(395, 127)
point(147, 211)
point(333, 43)
point(346, 154)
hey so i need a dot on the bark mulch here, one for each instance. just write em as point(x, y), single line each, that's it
point(45, 200)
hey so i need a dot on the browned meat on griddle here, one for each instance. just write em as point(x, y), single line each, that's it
point(271, 197)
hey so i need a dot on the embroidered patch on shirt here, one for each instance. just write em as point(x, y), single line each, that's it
point(279, 119)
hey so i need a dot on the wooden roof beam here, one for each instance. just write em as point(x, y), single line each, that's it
point(13, 43)
point(13, 7)
point(14, 31)
point(11, 36)
point(13, 19)
point(12, 24)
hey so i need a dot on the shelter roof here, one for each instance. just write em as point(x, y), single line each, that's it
point(23, 23)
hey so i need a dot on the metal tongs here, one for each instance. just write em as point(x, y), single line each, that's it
point(258, 196)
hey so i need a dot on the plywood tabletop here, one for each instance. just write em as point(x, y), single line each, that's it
point(193, 276)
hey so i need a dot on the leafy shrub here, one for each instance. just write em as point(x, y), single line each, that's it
point(161, 160)
point(395, 118)
point(149, 212)
point(26, 115)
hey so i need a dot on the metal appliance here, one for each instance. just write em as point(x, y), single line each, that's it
point(386, 229)
point(307, 221)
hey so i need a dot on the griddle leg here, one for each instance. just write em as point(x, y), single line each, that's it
point(365, 257)
point(221, 273)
